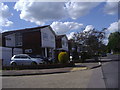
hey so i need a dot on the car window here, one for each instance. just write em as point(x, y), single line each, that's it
point(35, 56)
point(17, 57)
point(24, 57)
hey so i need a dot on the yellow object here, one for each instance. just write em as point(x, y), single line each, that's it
point(63, 57)
point(79, 68)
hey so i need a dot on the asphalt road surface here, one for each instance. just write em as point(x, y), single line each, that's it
point(77, 79)
point(101, 77)
point(110, 73)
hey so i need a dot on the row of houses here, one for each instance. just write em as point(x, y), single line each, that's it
point(36, 41)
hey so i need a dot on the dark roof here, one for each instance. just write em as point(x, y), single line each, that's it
point(26, 30)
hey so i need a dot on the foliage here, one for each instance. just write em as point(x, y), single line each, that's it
point(91, 41)
point(85, 55)
point(75, 55)
point(114, 42)
point(63, 57)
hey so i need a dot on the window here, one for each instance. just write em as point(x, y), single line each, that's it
point(17, 57)
point(8, 38)
point(24, 57)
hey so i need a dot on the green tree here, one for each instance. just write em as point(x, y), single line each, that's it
point(91, 40)
point(114, 42)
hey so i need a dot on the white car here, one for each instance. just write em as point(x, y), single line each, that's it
point(24, 59)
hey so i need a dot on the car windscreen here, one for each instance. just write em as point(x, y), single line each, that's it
point(17, 57)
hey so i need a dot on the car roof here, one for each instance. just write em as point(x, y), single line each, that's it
point(21, 55)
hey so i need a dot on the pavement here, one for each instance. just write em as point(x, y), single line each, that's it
point(78, 66)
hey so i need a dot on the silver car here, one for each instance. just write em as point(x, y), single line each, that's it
point(24, 59)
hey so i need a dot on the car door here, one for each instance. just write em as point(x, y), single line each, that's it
point(26, 60)
point(17, 60)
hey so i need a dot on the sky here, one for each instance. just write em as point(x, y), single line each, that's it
point(64, 17)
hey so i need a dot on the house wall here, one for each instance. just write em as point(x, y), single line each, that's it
point(17, 51)
point(6, 54)
point(0, 39)
point(64, 44)
point(10, 40)
point(58, 43)
point(48, 38)
point(18, 40)
point(32, 42)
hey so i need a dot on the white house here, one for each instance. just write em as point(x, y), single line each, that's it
point(36, 40)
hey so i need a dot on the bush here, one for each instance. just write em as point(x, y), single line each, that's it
point(63, 57)
point(75, 55)
point(84, 56)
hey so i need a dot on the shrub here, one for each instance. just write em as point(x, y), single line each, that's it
point(63, 57)
point(84, 56)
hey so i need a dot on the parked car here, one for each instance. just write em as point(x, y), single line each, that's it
point(51, 60)
point(44, 59)
point(24, 59)
point(103, 54)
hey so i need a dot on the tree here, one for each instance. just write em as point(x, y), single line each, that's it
point(114, 42)
point(92, 40)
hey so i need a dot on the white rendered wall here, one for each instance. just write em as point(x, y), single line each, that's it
point(10, 40)
point(65, 45)
point(48, 38)
point(6, 54)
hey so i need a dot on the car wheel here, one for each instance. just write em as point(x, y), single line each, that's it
point(33, 63)
point(13, 64)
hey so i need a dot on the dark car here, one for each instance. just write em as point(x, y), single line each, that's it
point(103, 54)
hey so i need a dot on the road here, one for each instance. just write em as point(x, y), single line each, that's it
point(110, 71)
point(77, 79)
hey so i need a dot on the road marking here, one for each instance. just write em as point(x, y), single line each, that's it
point(78, 68)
